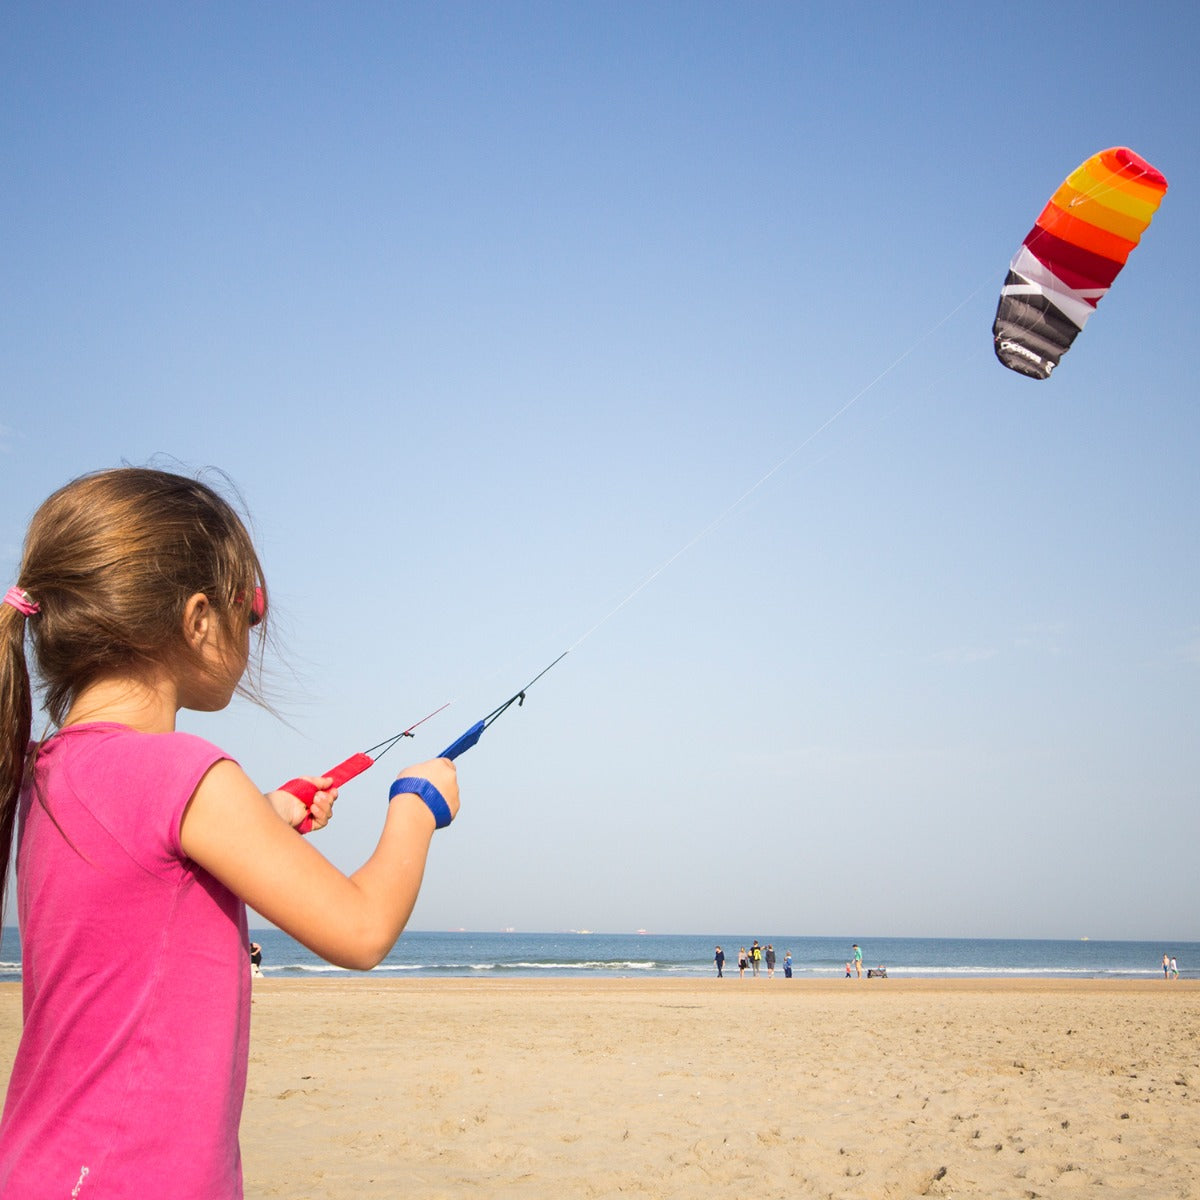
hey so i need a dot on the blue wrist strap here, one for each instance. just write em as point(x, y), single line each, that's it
point(434, 800)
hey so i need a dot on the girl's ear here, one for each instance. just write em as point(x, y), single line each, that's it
point(197, 620)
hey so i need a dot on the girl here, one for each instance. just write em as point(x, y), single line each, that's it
point(139, 847)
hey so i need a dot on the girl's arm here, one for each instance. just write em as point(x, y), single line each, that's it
point(231, 829)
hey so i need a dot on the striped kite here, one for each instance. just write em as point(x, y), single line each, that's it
point(1070, 257)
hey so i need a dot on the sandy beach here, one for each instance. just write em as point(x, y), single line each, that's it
point(735, 1088)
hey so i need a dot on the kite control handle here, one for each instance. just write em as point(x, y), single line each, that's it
point(306, 792)
point(464, 743)
point(356, 764)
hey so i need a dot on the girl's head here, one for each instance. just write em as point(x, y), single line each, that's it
point(111, 561)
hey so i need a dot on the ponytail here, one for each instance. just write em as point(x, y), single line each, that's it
point(16, 718)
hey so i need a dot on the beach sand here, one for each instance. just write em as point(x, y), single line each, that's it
point(367, 1088)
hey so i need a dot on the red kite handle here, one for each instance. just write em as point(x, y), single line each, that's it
point(305, 792)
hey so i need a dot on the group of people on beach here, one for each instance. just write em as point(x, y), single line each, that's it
point(1170, 967)
point(754, 960)
point(757, 957)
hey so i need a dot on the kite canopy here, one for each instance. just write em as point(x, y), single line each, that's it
point(1070, 257)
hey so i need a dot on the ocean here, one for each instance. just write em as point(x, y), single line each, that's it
point(640, 955)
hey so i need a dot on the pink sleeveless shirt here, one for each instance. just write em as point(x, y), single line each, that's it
point(129, 1079)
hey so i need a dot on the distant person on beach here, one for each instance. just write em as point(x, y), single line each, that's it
point(770, 961)
point(849, 973)
point(1166, 966)
point(787, 965)
point(755, 956)
point(743, 962)
point(1174, 968)
point(137, 594)
point(255, 959)
point(857, 960)
point(719, 959)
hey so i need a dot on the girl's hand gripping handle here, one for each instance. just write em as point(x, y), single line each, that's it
point(304, 791)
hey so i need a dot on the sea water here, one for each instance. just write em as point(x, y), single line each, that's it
point(643, 955)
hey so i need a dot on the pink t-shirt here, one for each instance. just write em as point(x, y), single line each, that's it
point(130, 1075)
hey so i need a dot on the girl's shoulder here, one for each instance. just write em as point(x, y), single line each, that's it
point(106, 754)
point(109, 737)
point(135, 786)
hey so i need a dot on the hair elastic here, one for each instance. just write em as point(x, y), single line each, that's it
point(21, 600)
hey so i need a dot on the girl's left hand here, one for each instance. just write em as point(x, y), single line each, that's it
point(292, 810)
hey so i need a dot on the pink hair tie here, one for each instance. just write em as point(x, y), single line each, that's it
point(20, 599)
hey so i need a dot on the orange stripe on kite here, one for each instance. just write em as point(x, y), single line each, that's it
point(1099, 213)
point(1080, 233)
point(1114, 193)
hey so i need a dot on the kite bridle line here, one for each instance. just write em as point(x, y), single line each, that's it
point(377, 751)
point(729, 511)
point(468, 739)
point(356, 764)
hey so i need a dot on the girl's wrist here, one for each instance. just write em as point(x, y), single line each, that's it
point(428, 794)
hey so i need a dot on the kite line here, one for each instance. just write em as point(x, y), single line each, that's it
point(728, 512)
point(357, 763)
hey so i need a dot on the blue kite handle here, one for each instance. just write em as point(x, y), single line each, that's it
point(465, 742)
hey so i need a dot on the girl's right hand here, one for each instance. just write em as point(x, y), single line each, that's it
point(442, 773)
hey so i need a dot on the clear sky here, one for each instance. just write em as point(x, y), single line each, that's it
point(491, 309)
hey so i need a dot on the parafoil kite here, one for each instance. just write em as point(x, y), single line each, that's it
point(1070, 257)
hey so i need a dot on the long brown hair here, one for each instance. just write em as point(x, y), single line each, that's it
point(111, 560)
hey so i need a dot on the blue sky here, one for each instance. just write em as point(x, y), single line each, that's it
point(490, 310)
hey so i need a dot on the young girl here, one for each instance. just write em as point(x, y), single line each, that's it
point(138, 847)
